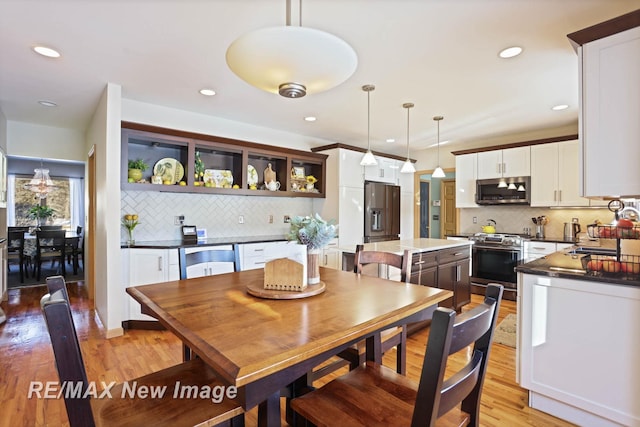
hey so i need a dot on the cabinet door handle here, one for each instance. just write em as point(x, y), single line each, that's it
point(504, 168)
point(458, 253)
point(258, 250)
point(458, 273)
point(559, 195)
point(419, 262)
point(159, 263)
point(555, 193)
point(325, 259)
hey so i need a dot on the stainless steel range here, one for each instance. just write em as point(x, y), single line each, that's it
point(493, 260)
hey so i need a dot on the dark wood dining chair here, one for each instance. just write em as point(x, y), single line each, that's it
point(50, 246)
point(203, 258)
point(50, 227)
point(355, 355)
point(74, 249)
point(15, 250)
point(119, 408)
point(376, 395)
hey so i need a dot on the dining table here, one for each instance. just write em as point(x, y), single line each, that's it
point(265, 344)
point(70, 237)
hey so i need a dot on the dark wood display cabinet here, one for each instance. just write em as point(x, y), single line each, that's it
point(228, 164)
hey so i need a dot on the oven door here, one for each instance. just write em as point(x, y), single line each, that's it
point(495, 264)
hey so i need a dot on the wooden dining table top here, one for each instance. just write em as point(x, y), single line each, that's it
point(246, 338)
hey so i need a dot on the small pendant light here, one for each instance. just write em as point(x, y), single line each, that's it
point(368, 159)
point(438, 173)
point(408, 167)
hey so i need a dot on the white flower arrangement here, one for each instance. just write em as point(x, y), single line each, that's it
point(312, 231)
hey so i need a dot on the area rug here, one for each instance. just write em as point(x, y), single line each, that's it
point(505, 333)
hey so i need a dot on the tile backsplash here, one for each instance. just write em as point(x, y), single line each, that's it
point(513, 219)
point(217, 213)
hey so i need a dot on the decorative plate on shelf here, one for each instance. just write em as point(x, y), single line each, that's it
point(222, 178)
point(252, 175)
point(169, 169)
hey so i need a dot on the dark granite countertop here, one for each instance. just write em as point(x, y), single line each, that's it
point(174, 244)
point(569, 266)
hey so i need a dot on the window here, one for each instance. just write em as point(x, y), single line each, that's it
point(67, 201)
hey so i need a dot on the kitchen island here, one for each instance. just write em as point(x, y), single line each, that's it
point(439, 263)
point(577, 341)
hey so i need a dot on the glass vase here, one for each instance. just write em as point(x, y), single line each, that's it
point(313, 266)
point(130, 241)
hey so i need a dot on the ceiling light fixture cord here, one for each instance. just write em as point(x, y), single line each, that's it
point(368, 159)
point(408, 167)
point(438, 172)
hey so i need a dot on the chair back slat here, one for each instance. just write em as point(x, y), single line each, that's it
point(55, 284)
point(448, 334)
point(68, 357)
point(401, 262)
point(223, 255)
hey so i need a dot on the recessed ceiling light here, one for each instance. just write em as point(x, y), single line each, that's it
point(207, 92)
point(510, 52)
point(390, 140)
point(310, 119)
point(559, 107)
point(48, 103)
point(47, 51)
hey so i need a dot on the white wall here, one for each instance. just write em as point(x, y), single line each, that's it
point(45, 142)
point(172, 118)
point(3, 211)
point(104, 134)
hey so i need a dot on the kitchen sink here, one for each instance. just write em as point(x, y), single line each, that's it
point(586, 250)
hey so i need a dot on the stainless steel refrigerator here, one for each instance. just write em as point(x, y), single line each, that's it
point(382, 212)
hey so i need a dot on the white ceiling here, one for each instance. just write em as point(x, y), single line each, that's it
point(439, 54)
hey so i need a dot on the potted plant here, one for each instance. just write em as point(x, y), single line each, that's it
point(316, 233)
point(136, 167)
point(41, 213)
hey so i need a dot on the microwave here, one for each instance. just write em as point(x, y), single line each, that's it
point(500, 191)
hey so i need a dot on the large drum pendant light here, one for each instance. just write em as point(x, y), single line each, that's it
point(291, 61)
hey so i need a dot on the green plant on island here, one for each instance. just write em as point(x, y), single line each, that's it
point(312, 231)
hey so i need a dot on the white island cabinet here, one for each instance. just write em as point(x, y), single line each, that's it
point(578, 347)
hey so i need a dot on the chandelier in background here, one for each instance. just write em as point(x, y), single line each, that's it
point(41, 183)
point(290, 60)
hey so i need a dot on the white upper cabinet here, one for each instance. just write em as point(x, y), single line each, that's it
point(510, 162)
point(466, 175)
point(609, 126)
point(384, 171)
point(555, 175)
point(351, 173)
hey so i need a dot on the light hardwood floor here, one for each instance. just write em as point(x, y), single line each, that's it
point(26, 356)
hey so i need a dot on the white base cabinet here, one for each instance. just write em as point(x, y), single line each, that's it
point(148, 266)
point(578, 349)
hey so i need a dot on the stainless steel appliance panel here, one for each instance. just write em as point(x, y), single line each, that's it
point(382, 212)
